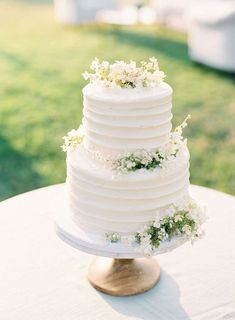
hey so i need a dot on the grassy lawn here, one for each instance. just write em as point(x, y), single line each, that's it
point(40, 94)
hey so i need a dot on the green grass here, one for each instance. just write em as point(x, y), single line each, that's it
point(40, 94)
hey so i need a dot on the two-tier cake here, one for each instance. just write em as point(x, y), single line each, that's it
point(127, 172)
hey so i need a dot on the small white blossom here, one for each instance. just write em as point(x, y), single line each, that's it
point(130, 164)
point(187, 230)
point(73, 139)
point(178, 218)
point(157, 224)
point(124, 74)
point(145, 161)
point(184, 124)
point(86, 75)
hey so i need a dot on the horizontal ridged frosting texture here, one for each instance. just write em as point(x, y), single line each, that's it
point(117, 121)
point(102, 202)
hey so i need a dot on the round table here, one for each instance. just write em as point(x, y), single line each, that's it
point(43, 278)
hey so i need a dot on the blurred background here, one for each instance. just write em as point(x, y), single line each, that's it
point(45, 46)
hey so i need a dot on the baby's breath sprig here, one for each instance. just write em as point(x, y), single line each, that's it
point(181, 219)
point(73, 139)
point(151, 159)
point(125, 75)
point(183, 125)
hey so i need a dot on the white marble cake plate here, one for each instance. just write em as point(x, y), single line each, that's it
point(69, 232)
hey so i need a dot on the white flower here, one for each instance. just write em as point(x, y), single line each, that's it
point(95, 64)
point(162, 234)
point(187, 230)
point(184, 124)
point(176, 137)
point(157, 224)
point(178, 218)
point(86, 75)
point(145, 244)
point(145, 161)
point(130, 164)
point(170, 149)
point(105, 64)
point(73, 139)
point(124, 74)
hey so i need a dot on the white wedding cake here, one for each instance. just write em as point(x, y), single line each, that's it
point(127, 172)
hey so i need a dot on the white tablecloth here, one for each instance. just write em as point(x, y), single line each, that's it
point(43, 278)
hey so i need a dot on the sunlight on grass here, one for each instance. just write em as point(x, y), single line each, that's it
point(41, 64)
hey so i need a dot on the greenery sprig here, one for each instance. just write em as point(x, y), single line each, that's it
point(182, 219)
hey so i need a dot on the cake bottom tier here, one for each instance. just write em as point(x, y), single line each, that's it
point(143, 208)
point(101, 201)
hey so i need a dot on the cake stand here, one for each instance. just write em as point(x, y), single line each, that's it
point(118, 270)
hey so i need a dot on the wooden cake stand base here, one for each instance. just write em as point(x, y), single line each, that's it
point(123, 277)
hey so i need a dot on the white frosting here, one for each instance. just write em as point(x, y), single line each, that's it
point(101, 202)
point(120, 120)
point(116, 121)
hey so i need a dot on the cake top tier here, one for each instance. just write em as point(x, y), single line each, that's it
point(125, 75)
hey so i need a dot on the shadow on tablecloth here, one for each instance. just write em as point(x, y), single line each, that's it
point(160, 303)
